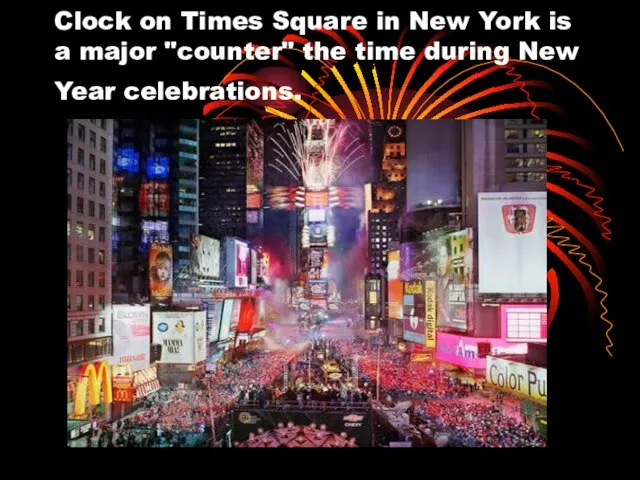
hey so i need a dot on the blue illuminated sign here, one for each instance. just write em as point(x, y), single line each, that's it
point(157, 167)
point(127, 160)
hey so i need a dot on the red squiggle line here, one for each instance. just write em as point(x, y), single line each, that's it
point(584, 284)
point(554, 300)
point(591, 248)
point(593, 176)
point(597, 200)
point(517, 79)
point(570, 136)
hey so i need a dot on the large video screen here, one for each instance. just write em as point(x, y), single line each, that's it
point(205, 256)
point(153, 199)
point(157, 167)
point(153, 231)
point(225, 325)
point(394, 285)
point(414, 312)
point(127, 160)
point(455, 259)
point(512, 243)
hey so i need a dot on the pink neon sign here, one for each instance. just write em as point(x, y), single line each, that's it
point(524, 323)
point(463, 351)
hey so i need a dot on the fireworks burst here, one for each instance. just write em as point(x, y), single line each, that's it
point(315, 152)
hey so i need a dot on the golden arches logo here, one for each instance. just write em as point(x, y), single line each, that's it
point(94, 377)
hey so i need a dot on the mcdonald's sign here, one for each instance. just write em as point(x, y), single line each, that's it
point(94, 378)
point(122, 381)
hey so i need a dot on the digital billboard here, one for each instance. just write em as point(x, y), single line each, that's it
point(316, 198)
point(238, 261)
point(512, 243)
point(517, 378)
point(524, 323)
point(319, 287)
point(127, 160)
point(317, 215)
point(131, 335)
point(225, 324)
point(157, 167)
point(394, 285)
point(463, 351)
point(318, 234)
point(160, 271)
point(214, 317)
point(153, 231)
point(153, 199)
point(205, 256)
point(254, 267)
point(414, 311)
point(455, 260)
point(176, 332)
point(318, 264)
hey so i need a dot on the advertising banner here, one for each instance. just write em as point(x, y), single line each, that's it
point(524, 323)
point(200, 336)
point(225, 326)
point(131, 335)
point(462, 351)
point(214, 317)
point(414, 311)
point(394, 285)
point(205, 256)
point(254, 267)
point(317, 198)
point(318, 234)
point(160, 271)
point(153, 231)
point(430, 314)
point(235, 316)
point(319, 287)
point(512, 241)
point(274, 424)
point(153, 199)
point(242, 264)
point(174, 331)
point(422, 357)
point(517, 378)
point(122, 384)
point(157, 167)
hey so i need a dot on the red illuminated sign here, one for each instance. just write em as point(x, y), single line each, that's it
point(317, 199)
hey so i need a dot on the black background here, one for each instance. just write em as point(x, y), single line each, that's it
point(585, 381)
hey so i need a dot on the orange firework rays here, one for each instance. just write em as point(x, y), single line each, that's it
point(351, 90)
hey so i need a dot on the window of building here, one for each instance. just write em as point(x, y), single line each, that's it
point(79, 278)
point(92, 139)
point(79, 229)
point(103, 166)
point(513, 148)
point(93, 120)
point(92, 208)
point(91, 304)
point(515, 121)
point(69, 201)
point(68, 302)
point(101, 257)
point(68, 327)
point(102, 189)
point(91, 255)
point(101, 213)
point(536, 148)
point(101, 234)
point(79, 253)
point(92, 185)
point(536, 133)
point(69, 152)
point(79, 328)
point(103, 144)
point(68, 227)
point(68, 252)
point(101, 279)
point(75, 352)
point(80, 181)
point(103, 124)
point(68, 277)
point(101, 307)
point(512, 133)
point(92, 162)
point(69, 176)
point(81, 132)
point(70, 128)
point(91, 279)
point(80, 205)
point(79, 302)
point(91, 230)
point(81, 157)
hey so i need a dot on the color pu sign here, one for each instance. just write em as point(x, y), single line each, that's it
point(517, 378)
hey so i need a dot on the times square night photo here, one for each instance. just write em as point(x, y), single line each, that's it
point(309, 283)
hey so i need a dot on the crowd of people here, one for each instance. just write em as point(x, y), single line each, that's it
point(479, 425)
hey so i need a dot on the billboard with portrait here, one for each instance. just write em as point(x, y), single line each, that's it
point(455, 260)
point(175, 333)
point(238, 259)
point(160, 271)
point(512, 240)
point(225, 324)
point(131, 335)
point(205, 256)
point(414, 311)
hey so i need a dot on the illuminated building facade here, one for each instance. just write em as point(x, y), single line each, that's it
point(231, 179)
point(155, 197)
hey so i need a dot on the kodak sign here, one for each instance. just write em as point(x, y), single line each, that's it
point(94, 378)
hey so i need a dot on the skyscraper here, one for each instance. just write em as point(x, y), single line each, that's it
point(155, 197)
point(231, 179)
point(89, 151)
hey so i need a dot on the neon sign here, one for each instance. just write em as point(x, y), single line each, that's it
point(94, 377)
